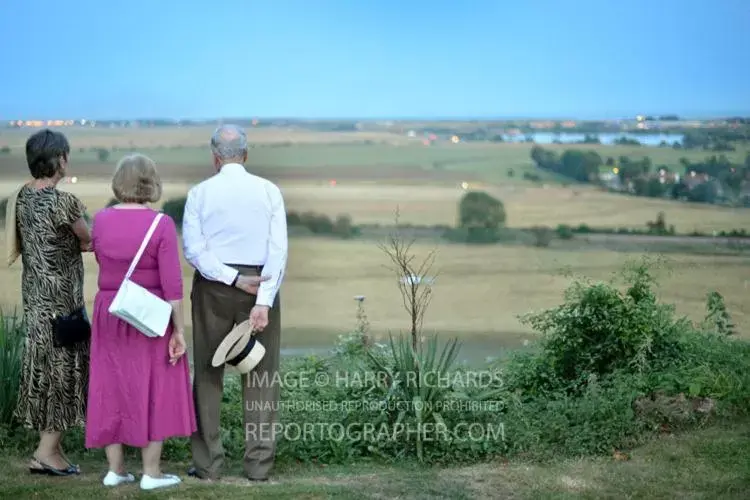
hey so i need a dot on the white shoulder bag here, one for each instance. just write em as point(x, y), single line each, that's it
point(138, 307)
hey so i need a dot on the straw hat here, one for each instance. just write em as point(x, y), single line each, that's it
point(239, 349)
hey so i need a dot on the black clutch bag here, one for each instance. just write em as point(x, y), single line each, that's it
point(72, 329)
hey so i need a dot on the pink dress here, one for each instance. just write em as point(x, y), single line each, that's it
point(135, 396)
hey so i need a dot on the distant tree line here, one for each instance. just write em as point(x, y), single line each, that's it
point(714, 179)
point(720, 139)
point(582, 166)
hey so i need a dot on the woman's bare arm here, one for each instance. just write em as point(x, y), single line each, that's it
point(81, 230)
point(178, 321)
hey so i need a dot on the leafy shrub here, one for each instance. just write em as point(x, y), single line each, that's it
point(542, 236)
point(321, 224)
point(317, 223)
point(343, 227)
point(103, 154)
point(5, 150)
point(481, 216)
point(565, 232)
point(718, 318)
point(11, 355)
point(599, 329)
point(175, 208)
point(293, 219)
point(3, 209)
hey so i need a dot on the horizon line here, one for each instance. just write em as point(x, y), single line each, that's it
point(228, 119)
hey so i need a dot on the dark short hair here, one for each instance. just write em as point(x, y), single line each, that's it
point(43, 152)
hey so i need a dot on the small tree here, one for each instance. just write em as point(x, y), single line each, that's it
point(481, 216)
point(718, 317)
point(415, 287)
point(102, 154)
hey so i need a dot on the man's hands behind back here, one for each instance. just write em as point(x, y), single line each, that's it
point(250, 284)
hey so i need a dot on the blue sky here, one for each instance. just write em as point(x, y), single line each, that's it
point(373, 58)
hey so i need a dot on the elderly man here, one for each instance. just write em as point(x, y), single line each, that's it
point(234, 231)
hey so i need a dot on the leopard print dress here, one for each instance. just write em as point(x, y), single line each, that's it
point(54, 381)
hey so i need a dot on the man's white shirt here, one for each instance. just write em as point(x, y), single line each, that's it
point(236, 218)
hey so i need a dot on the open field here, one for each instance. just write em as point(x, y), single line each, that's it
point(371, 190)
point(437, 204)
point(372, 179)
point(280, 149)
point(712, 463)
point(480, 290)
point(478, 294)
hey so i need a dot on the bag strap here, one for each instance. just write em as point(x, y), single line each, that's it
point(145, 241)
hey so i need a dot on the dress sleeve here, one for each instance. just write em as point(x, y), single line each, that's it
point(170, 270)
point(69, 209)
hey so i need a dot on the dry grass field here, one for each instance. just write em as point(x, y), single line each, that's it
point(190, 137)
point(480, 291)
point(477, 296)
point(525, 206)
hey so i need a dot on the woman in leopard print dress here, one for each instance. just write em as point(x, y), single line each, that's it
point(52, 232)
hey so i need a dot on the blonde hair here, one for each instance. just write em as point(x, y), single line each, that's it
point(136, 180)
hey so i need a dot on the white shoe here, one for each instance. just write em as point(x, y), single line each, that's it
point(166, 480)
point(114, 479)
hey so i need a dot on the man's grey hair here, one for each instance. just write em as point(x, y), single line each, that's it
point(229, 142)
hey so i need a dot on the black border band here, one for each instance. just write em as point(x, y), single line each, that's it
point(243, 354)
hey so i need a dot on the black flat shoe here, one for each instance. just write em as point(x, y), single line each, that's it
point(47, 470)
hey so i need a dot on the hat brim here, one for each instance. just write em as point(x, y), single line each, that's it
point(233, 343)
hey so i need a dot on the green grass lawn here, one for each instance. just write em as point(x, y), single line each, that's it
point(710, 463)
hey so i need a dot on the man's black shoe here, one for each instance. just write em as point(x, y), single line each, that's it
point(193, 472)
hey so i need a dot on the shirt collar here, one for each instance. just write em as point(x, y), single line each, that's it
point(232, 168)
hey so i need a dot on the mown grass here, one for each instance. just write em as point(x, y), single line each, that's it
point(709, 463)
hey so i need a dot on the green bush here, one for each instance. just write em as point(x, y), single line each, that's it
point(293, 219)
point(600, 329)
point(175, 208)
point(481, 216)
point(5, 150)
point(344, 228)
point(565, 232)
point(317, 223)
point(112, 202)
point(718, 318)
point(321, 224)
point(11, 355)
point(3, 209)
point(103, 154)
point(542, 236)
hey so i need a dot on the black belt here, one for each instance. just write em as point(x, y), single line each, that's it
point(256, 267)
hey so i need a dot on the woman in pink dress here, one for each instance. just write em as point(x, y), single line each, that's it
point(139, 389)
